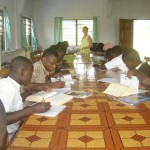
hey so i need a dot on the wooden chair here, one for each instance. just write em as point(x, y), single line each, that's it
point(36, 55)
point(3, 129)
point(4, 72)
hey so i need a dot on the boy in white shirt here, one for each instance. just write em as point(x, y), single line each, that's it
point(20, 74)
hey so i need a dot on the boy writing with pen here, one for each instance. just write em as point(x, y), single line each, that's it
point(42, 69)
point(20, 74)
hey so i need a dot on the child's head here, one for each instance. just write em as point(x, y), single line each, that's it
point(99, 47)
point(116, 51)
point(50, 58)
point(21, 69)
point(131, 58)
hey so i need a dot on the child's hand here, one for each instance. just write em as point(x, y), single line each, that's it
point(41, 107)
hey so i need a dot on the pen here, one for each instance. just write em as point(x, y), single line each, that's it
point(43, 100)
point(59, 76)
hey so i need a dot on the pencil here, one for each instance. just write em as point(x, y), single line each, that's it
point(43, 100)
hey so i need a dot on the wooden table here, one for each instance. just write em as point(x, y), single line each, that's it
point(96, 123)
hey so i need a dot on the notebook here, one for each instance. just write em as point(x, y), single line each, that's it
point(53, 97)
point(134, 99)
point(53, 112)
point(118, 90)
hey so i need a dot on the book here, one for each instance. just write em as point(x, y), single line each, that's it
point(53, 112)
point(119, 90)
point(132, 82)
point(134, 99)
point(80, 94)
point(53, 97)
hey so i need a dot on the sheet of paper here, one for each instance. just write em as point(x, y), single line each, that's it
point(53, 112)
point(109, 80)
point(133, 82)
point(67, 79)
point(59, 99)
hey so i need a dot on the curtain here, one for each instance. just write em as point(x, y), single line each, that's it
point(57, 29)
point(95, 30)
point(7, 30)
point(34, 40)
point(23, 34)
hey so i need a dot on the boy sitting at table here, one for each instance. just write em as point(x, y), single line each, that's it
point(21, 70)
point(42, 69)
point(132, 60)
point(116, 61)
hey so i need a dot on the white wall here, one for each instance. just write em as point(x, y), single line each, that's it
point(129, 9)
point(15, 9)
point(46, 10)
point(109, 12)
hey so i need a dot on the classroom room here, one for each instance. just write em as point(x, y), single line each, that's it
point(59, 89)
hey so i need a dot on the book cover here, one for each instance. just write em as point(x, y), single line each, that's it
point(80, 94)
point(134, 99)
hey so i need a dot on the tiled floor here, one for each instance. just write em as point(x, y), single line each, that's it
point(95, 123)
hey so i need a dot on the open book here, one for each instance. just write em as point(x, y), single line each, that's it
point(53, 97)
point(118, 90)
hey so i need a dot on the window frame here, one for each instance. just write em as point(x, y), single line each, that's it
point(29, 39)
point(2, 32)
point(77, 29)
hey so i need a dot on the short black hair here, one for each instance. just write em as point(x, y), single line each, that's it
point(99, 47)
point(117, 50)
point(131, 55)
point(63, 46)
point(20, 62)
point(109, 52)
point(51, 51)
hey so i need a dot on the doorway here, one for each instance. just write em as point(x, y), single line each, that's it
point(141, 37)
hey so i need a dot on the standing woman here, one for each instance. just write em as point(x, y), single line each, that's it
point(86, 42)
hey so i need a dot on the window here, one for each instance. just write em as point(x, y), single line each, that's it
point(2, 32)
point(27, 25)
point(72, 30)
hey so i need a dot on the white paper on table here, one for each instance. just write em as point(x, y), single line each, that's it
point(53, 112)
point(119, 90)
point(109, 80)
point(133, 82)
point(66, 78)
point(61, 90)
